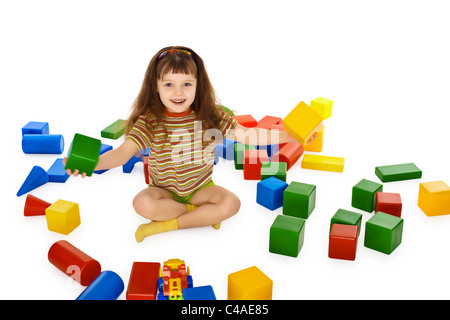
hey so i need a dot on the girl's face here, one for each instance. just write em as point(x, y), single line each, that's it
point(177, 91)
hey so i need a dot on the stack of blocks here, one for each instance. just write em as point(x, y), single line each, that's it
point(345, 227)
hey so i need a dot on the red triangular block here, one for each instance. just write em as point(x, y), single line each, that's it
point(35, 206)
point(36, 178)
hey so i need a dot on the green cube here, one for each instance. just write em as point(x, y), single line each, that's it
point(398, 172)
point(287, 235)
point(363, 194)
point(383, 232)
point(347, 217)
point(83, 154)
point(239, 154)
point(274, 169)
point(114, 130)
point(299, 199)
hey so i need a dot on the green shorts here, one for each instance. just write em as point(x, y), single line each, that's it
point(187, 199)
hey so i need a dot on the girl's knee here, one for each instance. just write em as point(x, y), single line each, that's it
point(230, 206)
point(144, 205)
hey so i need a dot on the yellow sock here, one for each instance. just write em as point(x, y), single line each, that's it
point(155, 227)
point(216, 226)
point(190, 207)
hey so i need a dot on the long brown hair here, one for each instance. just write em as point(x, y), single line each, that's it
point(148, 99)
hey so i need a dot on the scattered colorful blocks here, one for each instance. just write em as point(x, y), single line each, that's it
point(299, 199)
point(383, 232)
point(287, 235)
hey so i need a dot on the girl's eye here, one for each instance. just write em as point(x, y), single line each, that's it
point(187, 84)
point(168, 85)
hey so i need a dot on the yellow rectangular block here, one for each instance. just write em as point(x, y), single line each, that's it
point(302, 122)
point(325, 163)
point(323, 107)
point(434, 198)
point(249, 284)
point(317, 144)
point(63, 216)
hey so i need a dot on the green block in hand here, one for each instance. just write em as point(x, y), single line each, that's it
point(83, 154)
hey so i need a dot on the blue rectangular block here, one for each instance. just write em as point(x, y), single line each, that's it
point(103, 148)
point(35, 127)
point(199, 293)
point(269, 193)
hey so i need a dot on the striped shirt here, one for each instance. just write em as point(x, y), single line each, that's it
point(179, 160)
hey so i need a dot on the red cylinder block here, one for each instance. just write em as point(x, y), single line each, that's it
point(73, 262)
point(35, 206)
point(289, 152)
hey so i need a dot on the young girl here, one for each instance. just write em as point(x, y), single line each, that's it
point(175, 115)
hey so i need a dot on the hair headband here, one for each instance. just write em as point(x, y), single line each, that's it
point(163, 54)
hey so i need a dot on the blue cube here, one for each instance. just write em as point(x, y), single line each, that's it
point(269, 193)
point(199, 293)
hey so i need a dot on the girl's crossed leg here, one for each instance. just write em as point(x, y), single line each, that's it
point(213, 205)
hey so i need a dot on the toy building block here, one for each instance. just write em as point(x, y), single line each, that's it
point(199, 293)
point(273, 169)
point(145, 162)
point(246, 120)
point(226, 149)
point(383, 232)
point(363, 194)
point(317, 144)
point(253, 160)
point(103, 148)
point(325, 163)
point(63, 216)
point(268, 121)
point(322, 106)
point(107, 286)
point(389, 203)
point(57, 173)
point(128, 167)
point(299, 199)
point(288, 152)
point(347, 217)
point(42, 143)
point(302, 123)
point(143, 282)
point(227, 110)
point(74, 262)
point(287, 235)
point(269, 193)
point(398, 172)
point(83, 154)
point(239, 154)
point(249, 284)
point(36, 178)
point(35, 206)
point(35, 127)
point(114, 130)
point(343, 241)
point(434, 198)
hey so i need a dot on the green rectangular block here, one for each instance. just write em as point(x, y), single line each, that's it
point(239, 154)
point(347, 217)
point(299, 199)
point(114, 130)
point(274, 169)
point(83, 154)
point(398, 172)
point(287, 235)
point(383, 232)
point(363, 194)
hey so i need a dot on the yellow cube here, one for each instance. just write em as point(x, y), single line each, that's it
point(63, 216)
point(317, 144)
point(325, 163)
point(249, 284)
point(434, 198)
point(302, 123)
point(322, 106)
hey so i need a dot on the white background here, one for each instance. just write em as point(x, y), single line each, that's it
point(79, 66)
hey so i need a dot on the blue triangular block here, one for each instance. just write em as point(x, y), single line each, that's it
point(57, 173)
point(36, 178)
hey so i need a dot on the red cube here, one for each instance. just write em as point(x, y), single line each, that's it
point(246, 120)
point(389, 203)
point(343, 241)
point(252, 163)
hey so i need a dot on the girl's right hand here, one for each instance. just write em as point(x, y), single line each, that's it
point(75, 173)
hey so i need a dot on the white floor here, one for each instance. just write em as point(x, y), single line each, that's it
point(385, 66)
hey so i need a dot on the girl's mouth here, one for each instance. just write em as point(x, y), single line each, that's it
point(178, 101)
